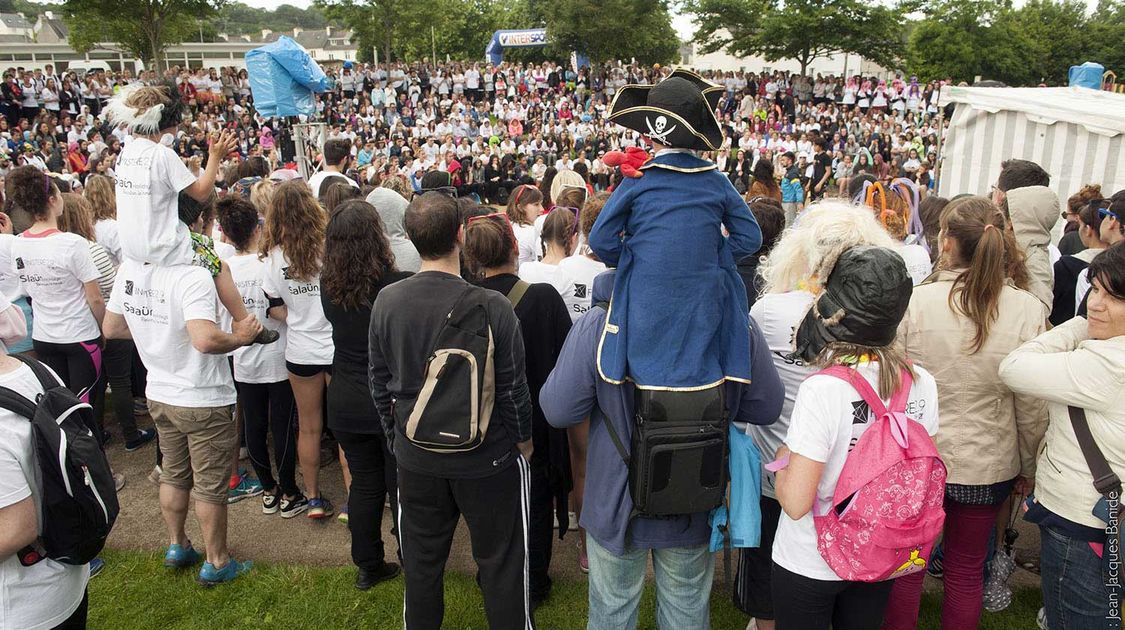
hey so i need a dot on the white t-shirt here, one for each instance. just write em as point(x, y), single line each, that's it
point(9, 280)
point(45, 594)
point(317, 180)
point(257, 363)
point(917, 261)
point(150, 177)
point(541, 272)
point(828, 417)
point(52, 269)
point(527, 237)
point(105, 233)
point(779, 315)
point(157, 302)
point(581, 270)
point(309, 339)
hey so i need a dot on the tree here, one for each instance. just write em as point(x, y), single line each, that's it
point(802, 30)
point(1057, 36)
point(612, 29)
point(963, 39)
point(390, 25)
point(145, 28)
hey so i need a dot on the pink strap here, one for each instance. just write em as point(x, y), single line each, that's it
point(898, 401)
point(778, 464)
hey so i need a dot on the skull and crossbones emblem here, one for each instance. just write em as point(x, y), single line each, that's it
point(659, 129)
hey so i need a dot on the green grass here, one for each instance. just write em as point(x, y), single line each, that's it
point(134, 591)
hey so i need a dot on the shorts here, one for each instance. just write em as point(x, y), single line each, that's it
point(203, 254)
point(307, 371)
point(197, 444)
point(752, 582)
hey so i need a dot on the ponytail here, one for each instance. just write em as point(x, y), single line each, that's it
point(992, 258)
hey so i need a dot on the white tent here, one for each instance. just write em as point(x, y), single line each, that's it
point(1076, 134)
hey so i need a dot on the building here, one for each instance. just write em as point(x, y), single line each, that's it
point(50, 29)
point(837, 64)
point(14, 24)
point(45, 43)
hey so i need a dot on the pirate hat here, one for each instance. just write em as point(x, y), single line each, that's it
point(678, 112)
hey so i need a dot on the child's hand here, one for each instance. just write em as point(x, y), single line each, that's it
point(222, 144)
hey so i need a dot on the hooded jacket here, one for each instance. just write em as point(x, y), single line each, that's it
point(1034, 210)
point(392, 210)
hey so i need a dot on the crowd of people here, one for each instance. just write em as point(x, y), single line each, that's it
point(491, 127)
point(483, 309)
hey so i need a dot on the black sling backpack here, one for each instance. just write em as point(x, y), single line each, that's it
point(678, 452)
point(452, 411)
point(78, 495)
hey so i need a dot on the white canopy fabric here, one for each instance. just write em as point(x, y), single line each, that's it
point(1076, 134)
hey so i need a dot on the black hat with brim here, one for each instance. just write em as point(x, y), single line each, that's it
point(678, 112)
point(863, 302)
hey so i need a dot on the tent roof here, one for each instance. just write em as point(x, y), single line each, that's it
point(1098, 111)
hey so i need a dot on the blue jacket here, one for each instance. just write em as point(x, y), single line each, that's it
point(678, 318)
point(791, 189)
point(574, 392)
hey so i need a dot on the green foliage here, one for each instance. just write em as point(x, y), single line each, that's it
point(142, 27)
point(237, 18)
point(612, 29)
point(798, 29)
point(1037, 43)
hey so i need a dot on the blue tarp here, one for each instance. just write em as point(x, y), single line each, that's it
point(283, 78)
point(1087, 75)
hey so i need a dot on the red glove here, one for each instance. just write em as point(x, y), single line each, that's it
point(630, 161)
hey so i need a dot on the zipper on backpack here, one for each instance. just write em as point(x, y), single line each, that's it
point(94, 489)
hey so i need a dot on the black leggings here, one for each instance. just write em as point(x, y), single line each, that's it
point(801, 603)
point(270, 407)
point(78, 364)
point(117, 361)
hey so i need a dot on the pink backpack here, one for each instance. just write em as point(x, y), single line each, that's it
point(887, 509)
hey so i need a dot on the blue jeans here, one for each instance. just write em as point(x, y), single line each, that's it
point(1074, 581)
point(683, 587)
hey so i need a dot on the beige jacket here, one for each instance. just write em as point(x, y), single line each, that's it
point(986, 434)
point(1034, 211)
point(1064, 367)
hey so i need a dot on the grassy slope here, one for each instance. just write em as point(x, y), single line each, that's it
point(134, 591)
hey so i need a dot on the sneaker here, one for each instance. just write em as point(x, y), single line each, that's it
point(154, 476)
point(366, 578)
point(583, 559)
point(96, 566)
point(1041, 619)
point(144, 436)
point(210, 576)
point(293, 507)
point(181, 557)
point(267, 336)
point(247, 487)
point(319, 508)
point(343, 516)
point(118, 481)
point(270, 502)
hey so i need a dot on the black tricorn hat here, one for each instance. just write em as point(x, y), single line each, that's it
point(678, 112)
point(863, 302)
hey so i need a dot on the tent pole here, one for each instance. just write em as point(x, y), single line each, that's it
point(940, 138)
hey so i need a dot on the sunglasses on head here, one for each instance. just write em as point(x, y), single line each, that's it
point(1105, 213)
point(499, 217)
point(574, 226)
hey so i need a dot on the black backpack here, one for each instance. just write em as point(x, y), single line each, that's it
point(678, 452)
point(451, 412)
point(77, 491)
